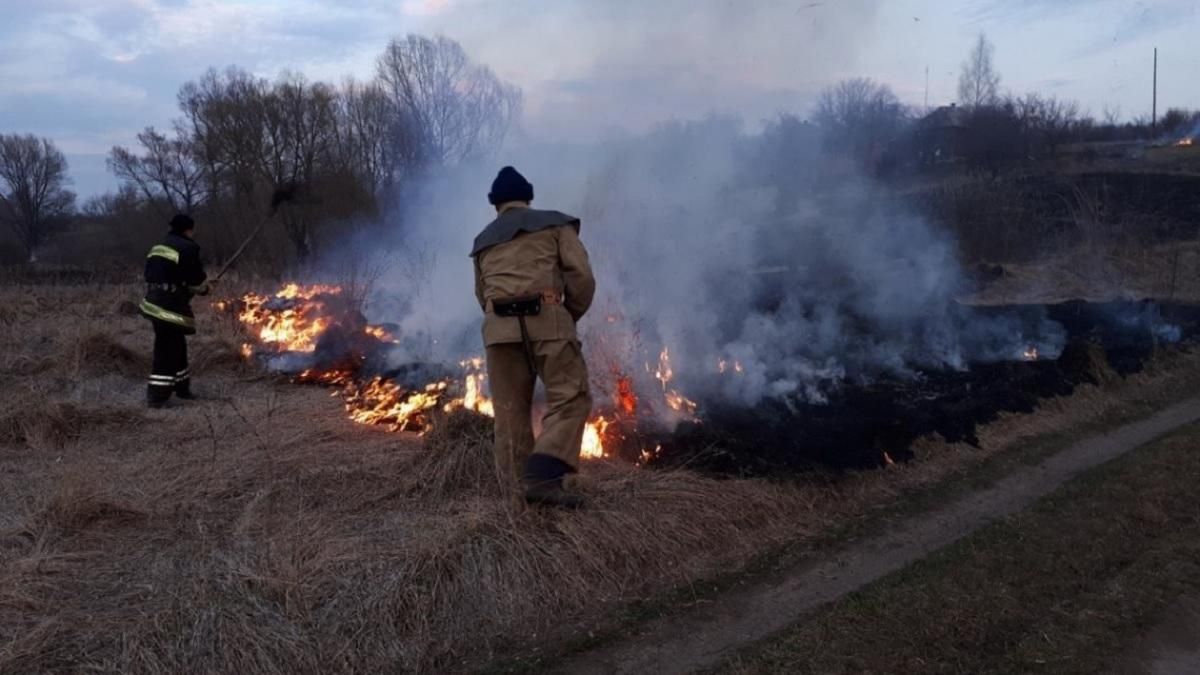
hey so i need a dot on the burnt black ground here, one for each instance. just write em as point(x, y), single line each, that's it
point(864, 426)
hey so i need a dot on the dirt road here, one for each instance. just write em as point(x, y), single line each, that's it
point(700, 640)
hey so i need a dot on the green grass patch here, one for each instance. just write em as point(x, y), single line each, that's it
point(1060, 588)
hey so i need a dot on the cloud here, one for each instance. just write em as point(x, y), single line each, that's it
point(1104, 25)
point(91, 72)
point(625, 65)
point(425, 7)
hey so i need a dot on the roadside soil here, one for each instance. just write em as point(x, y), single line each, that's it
point(744, 615)
point(1171, 648)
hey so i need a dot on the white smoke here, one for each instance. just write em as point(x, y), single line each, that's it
point(693, 255)
point(706, 237)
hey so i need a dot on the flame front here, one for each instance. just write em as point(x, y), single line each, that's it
point(295, 318)
point(1185, 142)
point(382, 402)
point(296, 324)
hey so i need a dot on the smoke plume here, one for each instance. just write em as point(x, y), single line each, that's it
point(739, 247)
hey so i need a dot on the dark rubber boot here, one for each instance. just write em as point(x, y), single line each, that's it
point(551, 493)
point(543, 483)
point(157, 396)
point(184, 391)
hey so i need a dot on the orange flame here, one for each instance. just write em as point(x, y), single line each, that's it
point(627, 400)
point(665, 374)
point(295, 328)
point(593, 439)
point(295, 318)
point(386, 403)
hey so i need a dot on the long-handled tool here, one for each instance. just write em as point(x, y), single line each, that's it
point(283, 194)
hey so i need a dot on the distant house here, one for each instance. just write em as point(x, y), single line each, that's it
point(941, 136)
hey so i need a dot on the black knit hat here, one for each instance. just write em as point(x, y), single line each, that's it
point(182, 223)
point(510, 186)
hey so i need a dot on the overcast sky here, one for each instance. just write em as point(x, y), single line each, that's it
point(91, 73)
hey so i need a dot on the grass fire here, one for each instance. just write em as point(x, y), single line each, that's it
point(312, 334)
point(672, 339)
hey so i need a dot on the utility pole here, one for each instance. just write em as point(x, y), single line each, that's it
point(926, 90)
point(1154, 102)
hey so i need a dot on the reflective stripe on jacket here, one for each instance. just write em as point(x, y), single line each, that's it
point(155, 312)
point(173, 275)
point(163, 251)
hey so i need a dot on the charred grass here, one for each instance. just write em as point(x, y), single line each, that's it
point(1064, 587)
point(260, 531)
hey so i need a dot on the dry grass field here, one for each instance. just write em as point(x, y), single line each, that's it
point(259, 530)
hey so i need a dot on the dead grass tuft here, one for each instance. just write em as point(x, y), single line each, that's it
point(97, 353)
point(82, 502)
point(34, 419)
point(126, 308)
point(1087, 362)
point(217, 354)
point(457, 459)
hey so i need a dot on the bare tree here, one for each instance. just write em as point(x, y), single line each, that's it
point(979, 83)
point(125, 200)
point(33, 187)
point(223, 114)
point(1112, 115)
point(300, 134)
point(253, 136)
point(445, 107)
point(1177, 121)
point(167, 173)
point(362, 135)
point(1045, 122)
point(859, 114)
point(1059, 120)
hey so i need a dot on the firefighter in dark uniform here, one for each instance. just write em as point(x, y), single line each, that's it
point(173, 275)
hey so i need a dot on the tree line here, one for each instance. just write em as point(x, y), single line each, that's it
point(346, 150)
point(986, 128)
point(350, 150)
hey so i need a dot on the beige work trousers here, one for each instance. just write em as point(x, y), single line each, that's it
point(568, 403)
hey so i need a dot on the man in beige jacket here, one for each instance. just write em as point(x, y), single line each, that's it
point(533, 282)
